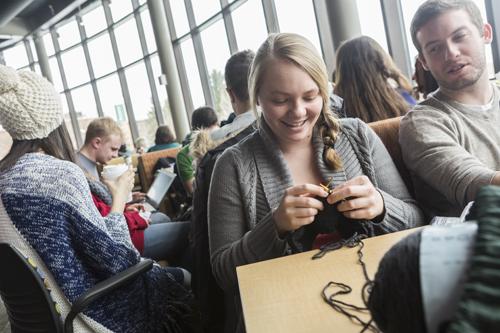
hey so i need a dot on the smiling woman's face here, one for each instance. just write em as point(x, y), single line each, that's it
point(290, 100)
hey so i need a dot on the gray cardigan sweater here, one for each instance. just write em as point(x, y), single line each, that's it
point(249, 181)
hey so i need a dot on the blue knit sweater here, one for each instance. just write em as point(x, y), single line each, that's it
point(48, 202)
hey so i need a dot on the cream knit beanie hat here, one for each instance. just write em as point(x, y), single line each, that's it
point(30, 107)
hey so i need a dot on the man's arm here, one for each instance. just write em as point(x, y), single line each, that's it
point(431, 149)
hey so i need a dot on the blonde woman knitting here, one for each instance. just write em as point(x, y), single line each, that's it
point(266, 189)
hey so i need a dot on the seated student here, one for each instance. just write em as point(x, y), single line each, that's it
point(446, 276)
point(140, 145)
point(450, 142)
point(202, 118)
point(265, 190)
point(235, 76)
point(47, 213)
point(154, 238)
point(164, 139)
point(367, 78)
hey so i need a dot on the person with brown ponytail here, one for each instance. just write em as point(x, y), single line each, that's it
point(266, 189)
point(368, 80)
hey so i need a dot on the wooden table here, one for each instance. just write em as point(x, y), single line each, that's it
point(284, 294)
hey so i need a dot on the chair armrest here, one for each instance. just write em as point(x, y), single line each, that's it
point(103, 288)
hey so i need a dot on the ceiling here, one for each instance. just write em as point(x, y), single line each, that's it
point(19, 18)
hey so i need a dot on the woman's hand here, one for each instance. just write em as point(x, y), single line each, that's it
point(298, 207)
point(358, 198)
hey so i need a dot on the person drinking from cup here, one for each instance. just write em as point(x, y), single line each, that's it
point(154, 237)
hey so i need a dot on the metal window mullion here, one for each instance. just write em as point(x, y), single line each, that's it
point(271, 16)
point(228, 22)
point(397, 42)
point(179, 60)
point(160, 119)
point(325, 34)
point(493, 16)
point(67, 92)
point(121, 73)
point(29, 52)
point(181, 68)
point(200, 55)
point(90, 68)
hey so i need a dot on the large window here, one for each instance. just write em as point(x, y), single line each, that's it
point(101, 55)
point(372, 21)
point(94, 21)
point(16, 56)
point(49, 46)
point(216, 58)
point(75, 66)
point(180, 17)
point(299, 18)
point(68, 35)
point(67, 121)
point(113, 104)
point(56, 74)
point(128, 42)
point(204, 9)
point(120, 9)
point(193, 75)
point(162, 93)
point(148, 30)
point(84, 102)
point(85, 107)
point(142, 101)
point(250, 14)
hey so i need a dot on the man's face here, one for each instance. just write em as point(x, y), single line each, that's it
point(453, 49)
point(107, 148)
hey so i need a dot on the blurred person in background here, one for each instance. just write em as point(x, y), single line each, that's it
point(164, 139)
point(367, 78)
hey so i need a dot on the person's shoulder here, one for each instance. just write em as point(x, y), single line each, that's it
point(184, 151)
point(354, 125)
point(242, 150)
point(212, 155)
point(58, 173)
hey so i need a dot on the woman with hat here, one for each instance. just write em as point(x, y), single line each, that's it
point(47, 213)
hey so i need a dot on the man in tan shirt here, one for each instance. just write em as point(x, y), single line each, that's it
point(451, 141)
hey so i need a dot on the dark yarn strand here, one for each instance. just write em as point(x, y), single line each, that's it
point(344, 308)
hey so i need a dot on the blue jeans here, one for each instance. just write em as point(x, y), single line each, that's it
point(167, 241)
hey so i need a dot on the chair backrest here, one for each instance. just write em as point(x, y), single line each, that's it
point(29, 305)
point(147, 162)
point(388, 132)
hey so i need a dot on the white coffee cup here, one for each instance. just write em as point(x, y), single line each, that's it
point(112, 172)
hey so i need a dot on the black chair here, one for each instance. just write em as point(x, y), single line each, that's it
point(29, 305)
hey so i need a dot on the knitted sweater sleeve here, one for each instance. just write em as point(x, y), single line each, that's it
point(401, 210)
point(431, 150)
point(233, 242)
point(104, 243)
